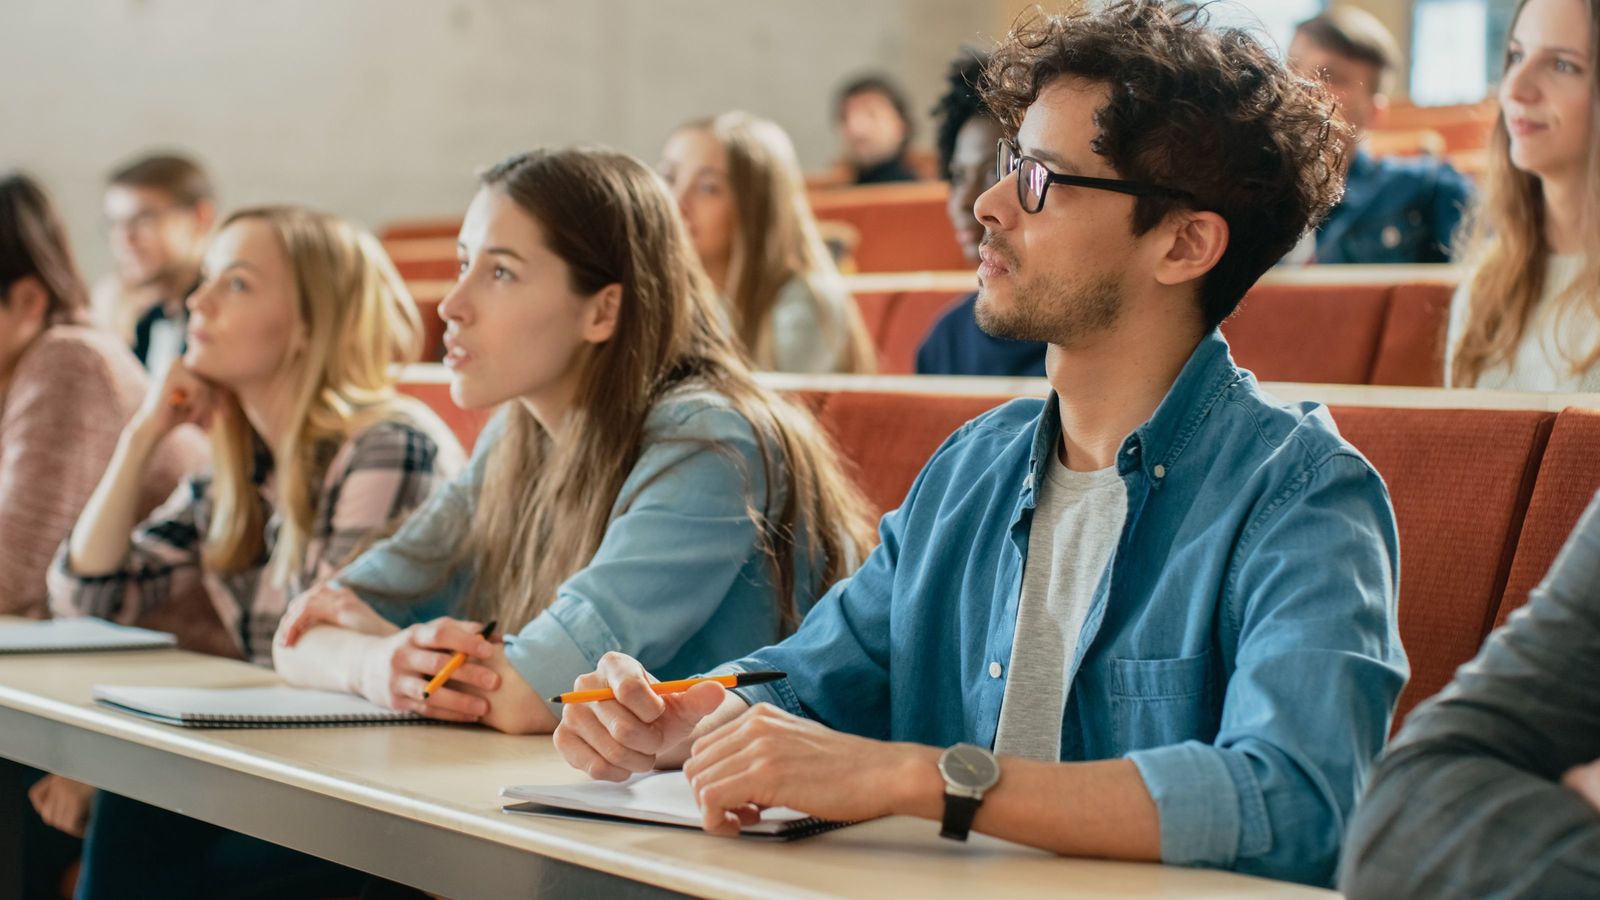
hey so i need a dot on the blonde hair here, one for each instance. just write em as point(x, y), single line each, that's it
point(1508, 249)
point(544, 506)
point(776, 240)
point(356, 321)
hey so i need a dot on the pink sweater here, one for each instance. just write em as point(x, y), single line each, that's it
point(71, 394)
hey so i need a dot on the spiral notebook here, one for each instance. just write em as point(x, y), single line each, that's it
point(651, 798)
point(255, 707)
point(79, 636)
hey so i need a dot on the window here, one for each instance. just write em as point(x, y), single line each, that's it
point(1274, 18)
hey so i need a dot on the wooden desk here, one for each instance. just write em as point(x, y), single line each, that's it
point(419, 805)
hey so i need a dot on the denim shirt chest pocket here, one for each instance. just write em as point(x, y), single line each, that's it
point(1155, 702)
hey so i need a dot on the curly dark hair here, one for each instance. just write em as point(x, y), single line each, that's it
point(963, 100)
point(1206, 111)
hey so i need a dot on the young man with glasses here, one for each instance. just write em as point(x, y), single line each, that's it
point(1152, 617)
point(159, 212)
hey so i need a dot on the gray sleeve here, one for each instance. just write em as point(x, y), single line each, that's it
point(1468, 801)
point(803, 337)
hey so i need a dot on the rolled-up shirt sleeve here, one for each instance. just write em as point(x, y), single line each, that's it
point(1271, 793)
point(1468, 801)
point(681, 534)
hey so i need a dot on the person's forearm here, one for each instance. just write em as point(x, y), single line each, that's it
point(99, 541)
point(1096, 809)
point(325, 657)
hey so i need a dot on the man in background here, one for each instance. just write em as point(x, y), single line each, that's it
point(1395, 210)
point(159, 212)
point(875, 123)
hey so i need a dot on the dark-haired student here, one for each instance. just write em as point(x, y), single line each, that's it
point(66, 390)
point(159, 212)
point(1492, 789)
point(957, 345)
point(1394, 210)
point(638, 491)
point(1119, 599)
point(874, 122)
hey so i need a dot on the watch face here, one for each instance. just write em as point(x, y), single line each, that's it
point(970, 766)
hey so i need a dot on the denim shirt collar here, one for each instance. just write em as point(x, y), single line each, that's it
point(1155, 447)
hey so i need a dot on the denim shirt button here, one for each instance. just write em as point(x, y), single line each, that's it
point(995, 670)
point(1159, 471)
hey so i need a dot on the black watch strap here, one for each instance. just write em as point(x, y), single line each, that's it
point(958, 814)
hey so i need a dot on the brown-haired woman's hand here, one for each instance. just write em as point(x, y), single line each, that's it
point(397, 669)
point(1585, 781)
point(328, 604)
point(62, 803)
point(180, 396)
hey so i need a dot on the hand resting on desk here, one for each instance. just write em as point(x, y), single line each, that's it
point(739, 758)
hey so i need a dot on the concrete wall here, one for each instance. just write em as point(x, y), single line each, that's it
point(383, 108)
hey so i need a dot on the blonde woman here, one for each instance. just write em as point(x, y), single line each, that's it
point(639, 491)
point(292, 335)
point(1528, 317)
point(741, 192)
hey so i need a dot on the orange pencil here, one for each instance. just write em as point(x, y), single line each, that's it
point(674, 687)
point(179, 397)
point(450, 667)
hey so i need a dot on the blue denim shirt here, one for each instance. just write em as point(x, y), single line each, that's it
point(1241, 648)
point(1394, 210)
point(677, 581)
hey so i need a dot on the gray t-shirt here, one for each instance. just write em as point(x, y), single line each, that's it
point(1076, 525)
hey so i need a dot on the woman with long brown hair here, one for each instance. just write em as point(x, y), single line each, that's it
point(1528, 316)
point(742, 195)
point(638, 491)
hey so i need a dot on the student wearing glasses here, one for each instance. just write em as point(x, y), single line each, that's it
point(638, 491)
point(159, 211)
point(1104, 624)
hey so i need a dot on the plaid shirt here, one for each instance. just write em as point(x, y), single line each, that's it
point(373, 480)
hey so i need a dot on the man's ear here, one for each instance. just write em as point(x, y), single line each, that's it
point(1380, 111)
point(1198, 240)
point(205, 216)
point(28, 300)
point(605, 309)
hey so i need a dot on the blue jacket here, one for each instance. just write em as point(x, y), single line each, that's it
point(955, 345)
point(1395, 210)
point(1241, 648)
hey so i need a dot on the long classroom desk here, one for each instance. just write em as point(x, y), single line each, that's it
point(419, 805)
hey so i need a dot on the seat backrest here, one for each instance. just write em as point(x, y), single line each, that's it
point(903, 227)
point(1460, 481)
point(877, 310)
point(906, 324)
point(1569, 475)
point(886, 438)
point(1324, 334)
point(1411, 352)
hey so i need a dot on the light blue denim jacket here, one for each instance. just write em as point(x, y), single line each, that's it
point(677, 581)
point(1241, 649)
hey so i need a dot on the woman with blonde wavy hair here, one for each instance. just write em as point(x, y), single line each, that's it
point(292, 338)
point(638, 490)
point(742, 195)
point(1528, 316)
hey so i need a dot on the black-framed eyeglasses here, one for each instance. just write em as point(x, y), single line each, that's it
point(1034, 180)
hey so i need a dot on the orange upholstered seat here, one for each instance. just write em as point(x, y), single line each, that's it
point(1326, 334)
point(1460, 481)
point(1569, 475)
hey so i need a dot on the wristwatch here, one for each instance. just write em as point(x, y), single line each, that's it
point(969, 771)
